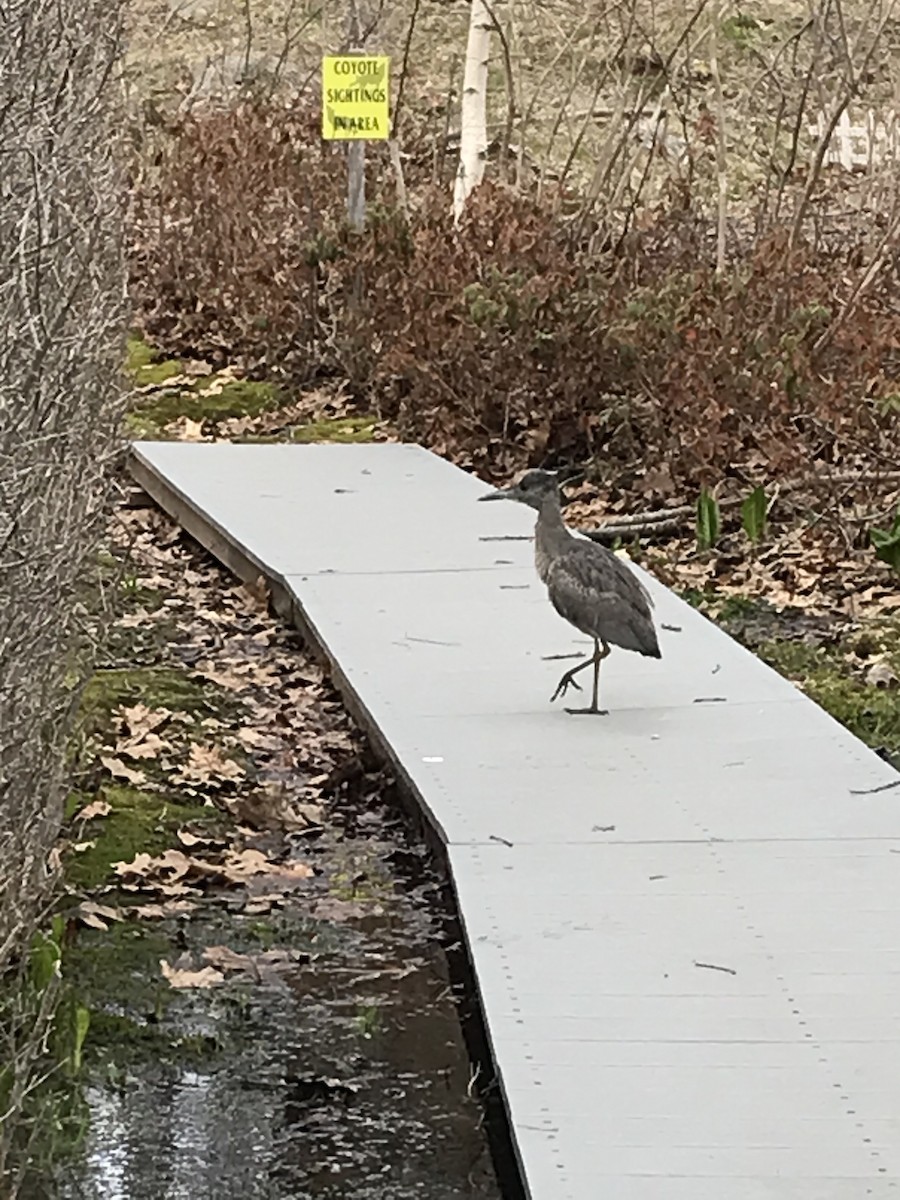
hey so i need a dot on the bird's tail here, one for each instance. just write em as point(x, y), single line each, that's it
point(649, 643)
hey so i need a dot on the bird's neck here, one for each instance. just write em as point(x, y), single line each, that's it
point(551, 537)
point(550, 514)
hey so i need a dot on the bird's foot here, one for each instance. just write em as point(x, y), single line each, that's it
point(563, 686)
point(584, 712)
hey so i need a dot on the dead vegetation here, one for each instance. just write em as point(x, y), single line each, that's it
point(207, 710)
point(667, 280)
point(512, 339)
point(61, 311)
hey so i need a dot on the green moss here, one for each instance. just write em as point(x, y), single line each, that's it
point(157, 687)
point(358, 874)
point(138, 354)
point(142, 428)
point(696, 597)
point(158, 373)
point(138, 823)
point(141, 820)
point(261, 933)
point(115, 974)
point(146, 366)
point(732, 608)
point(112, 582)
point(203, 400)
point(796, 660)
point(725, 609)
point(214, 398)
point(117, 1041)
point(112, 1033)
point(827, 677)
point(740, 29)
point(343, 430)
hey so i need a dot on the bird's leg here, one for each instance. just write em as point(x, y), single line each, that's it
point(598, 658)
point(568, 680)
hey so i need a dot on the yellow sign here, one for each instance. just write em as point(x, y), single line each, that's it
point(355, 98)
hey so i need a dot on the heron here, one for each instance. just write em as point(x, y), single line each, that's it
point(588, 585)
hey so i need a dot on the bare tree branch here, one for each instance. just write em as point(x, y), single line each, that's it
point(62, 314)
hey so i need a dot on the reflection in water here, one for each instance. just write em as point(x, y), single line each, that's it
point(347, 1078)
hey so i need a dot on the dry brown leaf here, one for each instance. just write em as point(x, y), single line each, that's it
point(118, 770)
point(139, 719)
point(145, 746)
point(236, 677)
point(195, 839)
point(171, 384)
point(268, 963)
point(174, 889)
point(97, 916)
point(254, 739)
point(299, 699)
point(188, 430)
point(151, 912)
point(97, 808)
point(137, 619)
point(92, 921)
point(217, 383)
point(173, 862)
point(223, 677)
point(278, 882)
point(241, 865)
point(207, 764)
point(80, 847)
point(270, 807)
point(330, 908)
point(197, 366)
point(206, 977)
point(141, 864)
point(226, 959)
point(254, 595)
point(881, 675)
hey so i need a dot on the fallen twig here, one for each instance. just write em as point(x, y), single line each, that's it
point(882, 787)
point(715, 967)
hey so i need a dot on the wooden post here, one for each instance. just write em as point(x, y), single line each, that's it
point(356, 185)
point(356, 150)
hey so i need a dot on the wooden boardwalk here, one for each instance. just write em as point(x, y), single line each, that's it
point(684, 918)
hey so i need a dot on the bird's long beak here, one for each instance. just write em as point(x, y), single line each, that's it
point(506, 494)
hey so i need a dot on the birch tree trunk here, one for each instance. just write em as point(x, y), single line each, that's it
point(473, 115)
point(356, 151)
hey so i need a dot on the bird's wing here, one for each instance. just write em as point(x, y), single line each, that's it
point(595, 591)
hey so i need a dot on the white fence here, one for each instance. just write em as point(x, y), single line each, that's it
point(860, 147)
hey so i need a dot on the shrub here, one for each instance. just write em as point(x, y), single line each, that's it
point(505, 341)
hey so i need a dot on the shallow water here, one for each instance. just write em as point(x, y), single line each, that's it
point(345, 1077)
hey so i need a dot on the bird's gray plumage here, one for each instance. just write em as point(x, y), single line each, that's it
point(587, 584)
